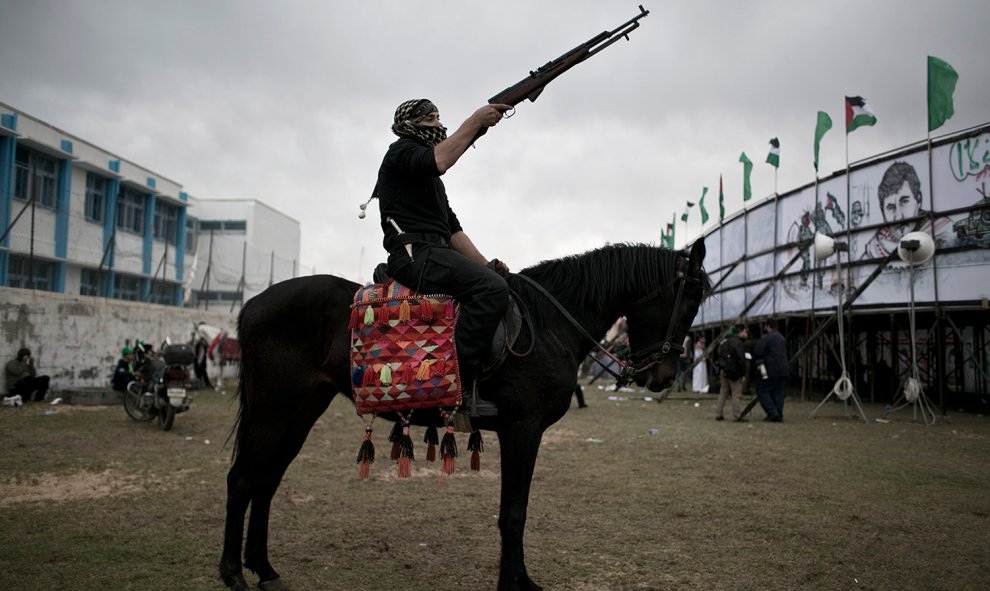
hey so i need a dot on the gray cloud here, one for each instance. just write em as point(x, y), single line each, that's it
point(290, 102)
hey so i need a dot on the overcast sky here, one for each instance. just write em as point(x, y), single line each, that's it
point(290, 102)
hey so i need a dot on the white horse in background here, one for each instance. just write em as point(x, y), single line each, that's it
point(207, 341)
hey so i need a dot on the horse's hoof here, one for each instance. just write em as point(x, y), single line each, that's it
point(273, 585)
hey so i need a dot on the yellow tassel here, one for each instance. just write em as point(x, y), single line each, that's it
point(386, 375)
point(369, 315)
point(404, 311)
point(424, 370)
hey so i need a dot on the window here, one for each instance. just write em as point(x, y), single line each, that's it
point(96, 190)
point(126, 287)
point(163, 293)
point(226, 226)
point(21, 273)
point(89, 282)
point(217, 296)
point(130, 210)
point(34, 176)
point(166, 222)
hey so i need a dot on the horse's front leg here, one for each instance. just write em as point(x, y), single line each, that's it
point(519, 445)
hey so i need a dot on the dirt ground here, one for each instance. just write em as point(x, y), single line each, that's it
point(628, 495)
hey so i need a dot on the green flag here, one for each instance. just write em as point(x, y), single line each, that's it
point(747, 169)
point(773, 158)
point(942, 80)
point(701, 204)
point(721, 197)
point(670, 232)
point(824, 124)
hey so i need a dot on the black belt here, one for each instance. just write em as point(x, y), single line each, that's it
point(400, 240)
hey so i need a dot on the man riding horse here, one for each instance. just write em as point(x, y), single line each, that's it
point(428, 250)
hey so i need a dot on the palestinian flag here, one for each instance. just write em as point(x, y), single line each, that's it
point(858, 113)
point(684, 216)
point(721, 197)
point(773, 158)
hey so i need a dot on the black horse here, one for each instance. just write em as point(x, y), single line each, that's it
point(295, 359)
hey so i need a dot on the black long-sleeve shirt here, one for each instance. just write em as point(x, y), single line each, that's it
point(410, 191)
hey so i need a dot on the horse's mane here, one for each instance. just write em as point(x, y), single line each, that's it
point(592, 279)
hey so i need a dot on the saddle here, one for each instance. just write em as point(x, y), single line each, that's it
point(403, 353)
point(404, 358)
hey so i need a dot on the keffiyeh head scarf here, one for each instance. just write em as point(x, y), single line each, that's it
point(407, 117)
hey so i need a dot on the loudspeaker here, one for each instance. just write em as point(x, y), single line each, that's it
point(826, 246)
point(916, 248)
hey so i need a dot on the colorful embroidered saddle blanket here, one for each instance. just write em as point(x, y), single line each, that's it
point(403, 355)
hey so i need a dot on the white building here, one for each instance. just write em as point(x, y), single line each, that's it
point(243, 246)
point(78, 219)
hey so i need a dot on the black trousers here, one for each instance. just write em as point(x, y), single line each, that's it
point(481, 292)
point(36, 385)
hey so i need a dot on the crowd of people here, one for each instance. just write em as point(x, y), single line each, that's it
point(736, 364)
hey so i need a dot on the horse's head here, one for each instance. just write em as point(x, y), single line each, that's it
point(659, 321)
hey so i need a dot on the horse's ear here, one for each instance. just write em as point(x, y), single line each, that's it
point(697, 257)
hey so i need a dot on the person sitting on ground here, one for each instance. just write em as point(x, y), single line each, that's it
point(124, 373)
point(22, 378)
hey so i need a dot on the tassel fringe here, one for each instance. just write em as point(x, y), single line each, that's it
point(475, 446)
point(431, 439)
point(448, 451)
point(355, 318)
point(366, 455)
point(369, 316)
point(386, 375)
point(394, 438)
point(404, 312)
point(405, 453)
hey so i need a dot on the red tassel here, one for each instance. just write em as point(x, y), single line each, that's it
point(366, 455)
point(355, 318)
point(431, 439)
point(475, 446)
point(439, 368)
point(368, 379)
point(405, 453)
point(403, 375)
point(426, 310)
point(448, 311)
point(448, 451)
point(382, 315)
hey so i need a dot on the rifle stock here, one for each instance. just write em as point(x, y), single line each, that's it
point(532, 86)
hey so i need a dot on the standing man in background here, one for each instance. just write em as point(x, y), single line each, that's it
point(771, 385)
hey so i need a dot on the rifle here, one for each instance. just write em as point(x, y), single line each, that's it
point(532, 86)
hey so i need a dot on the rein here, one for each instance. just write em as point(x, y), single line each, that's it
point(640, 360)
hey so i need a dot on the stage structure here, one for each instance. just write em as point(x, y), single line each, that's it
point(761, 265)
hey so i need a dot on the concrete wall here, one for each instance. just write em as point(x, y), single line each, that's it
point(77, 340)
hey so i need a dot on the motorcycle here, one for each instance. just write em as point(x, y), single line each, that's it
point(160, 388)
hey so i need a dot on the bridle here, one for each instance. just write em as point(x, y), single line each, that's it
point(642, 360)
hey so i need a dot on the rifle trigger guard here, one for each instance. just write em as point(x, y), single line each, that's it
point(509, 113)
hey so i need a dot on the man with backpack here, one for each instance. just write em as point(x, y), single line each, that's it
point(732, 359)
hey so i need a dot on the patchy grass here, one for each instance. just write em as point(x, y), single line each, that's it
point(92, 500)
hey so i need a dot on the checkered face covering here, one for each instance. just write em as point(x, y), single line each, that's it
point(407, 117)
